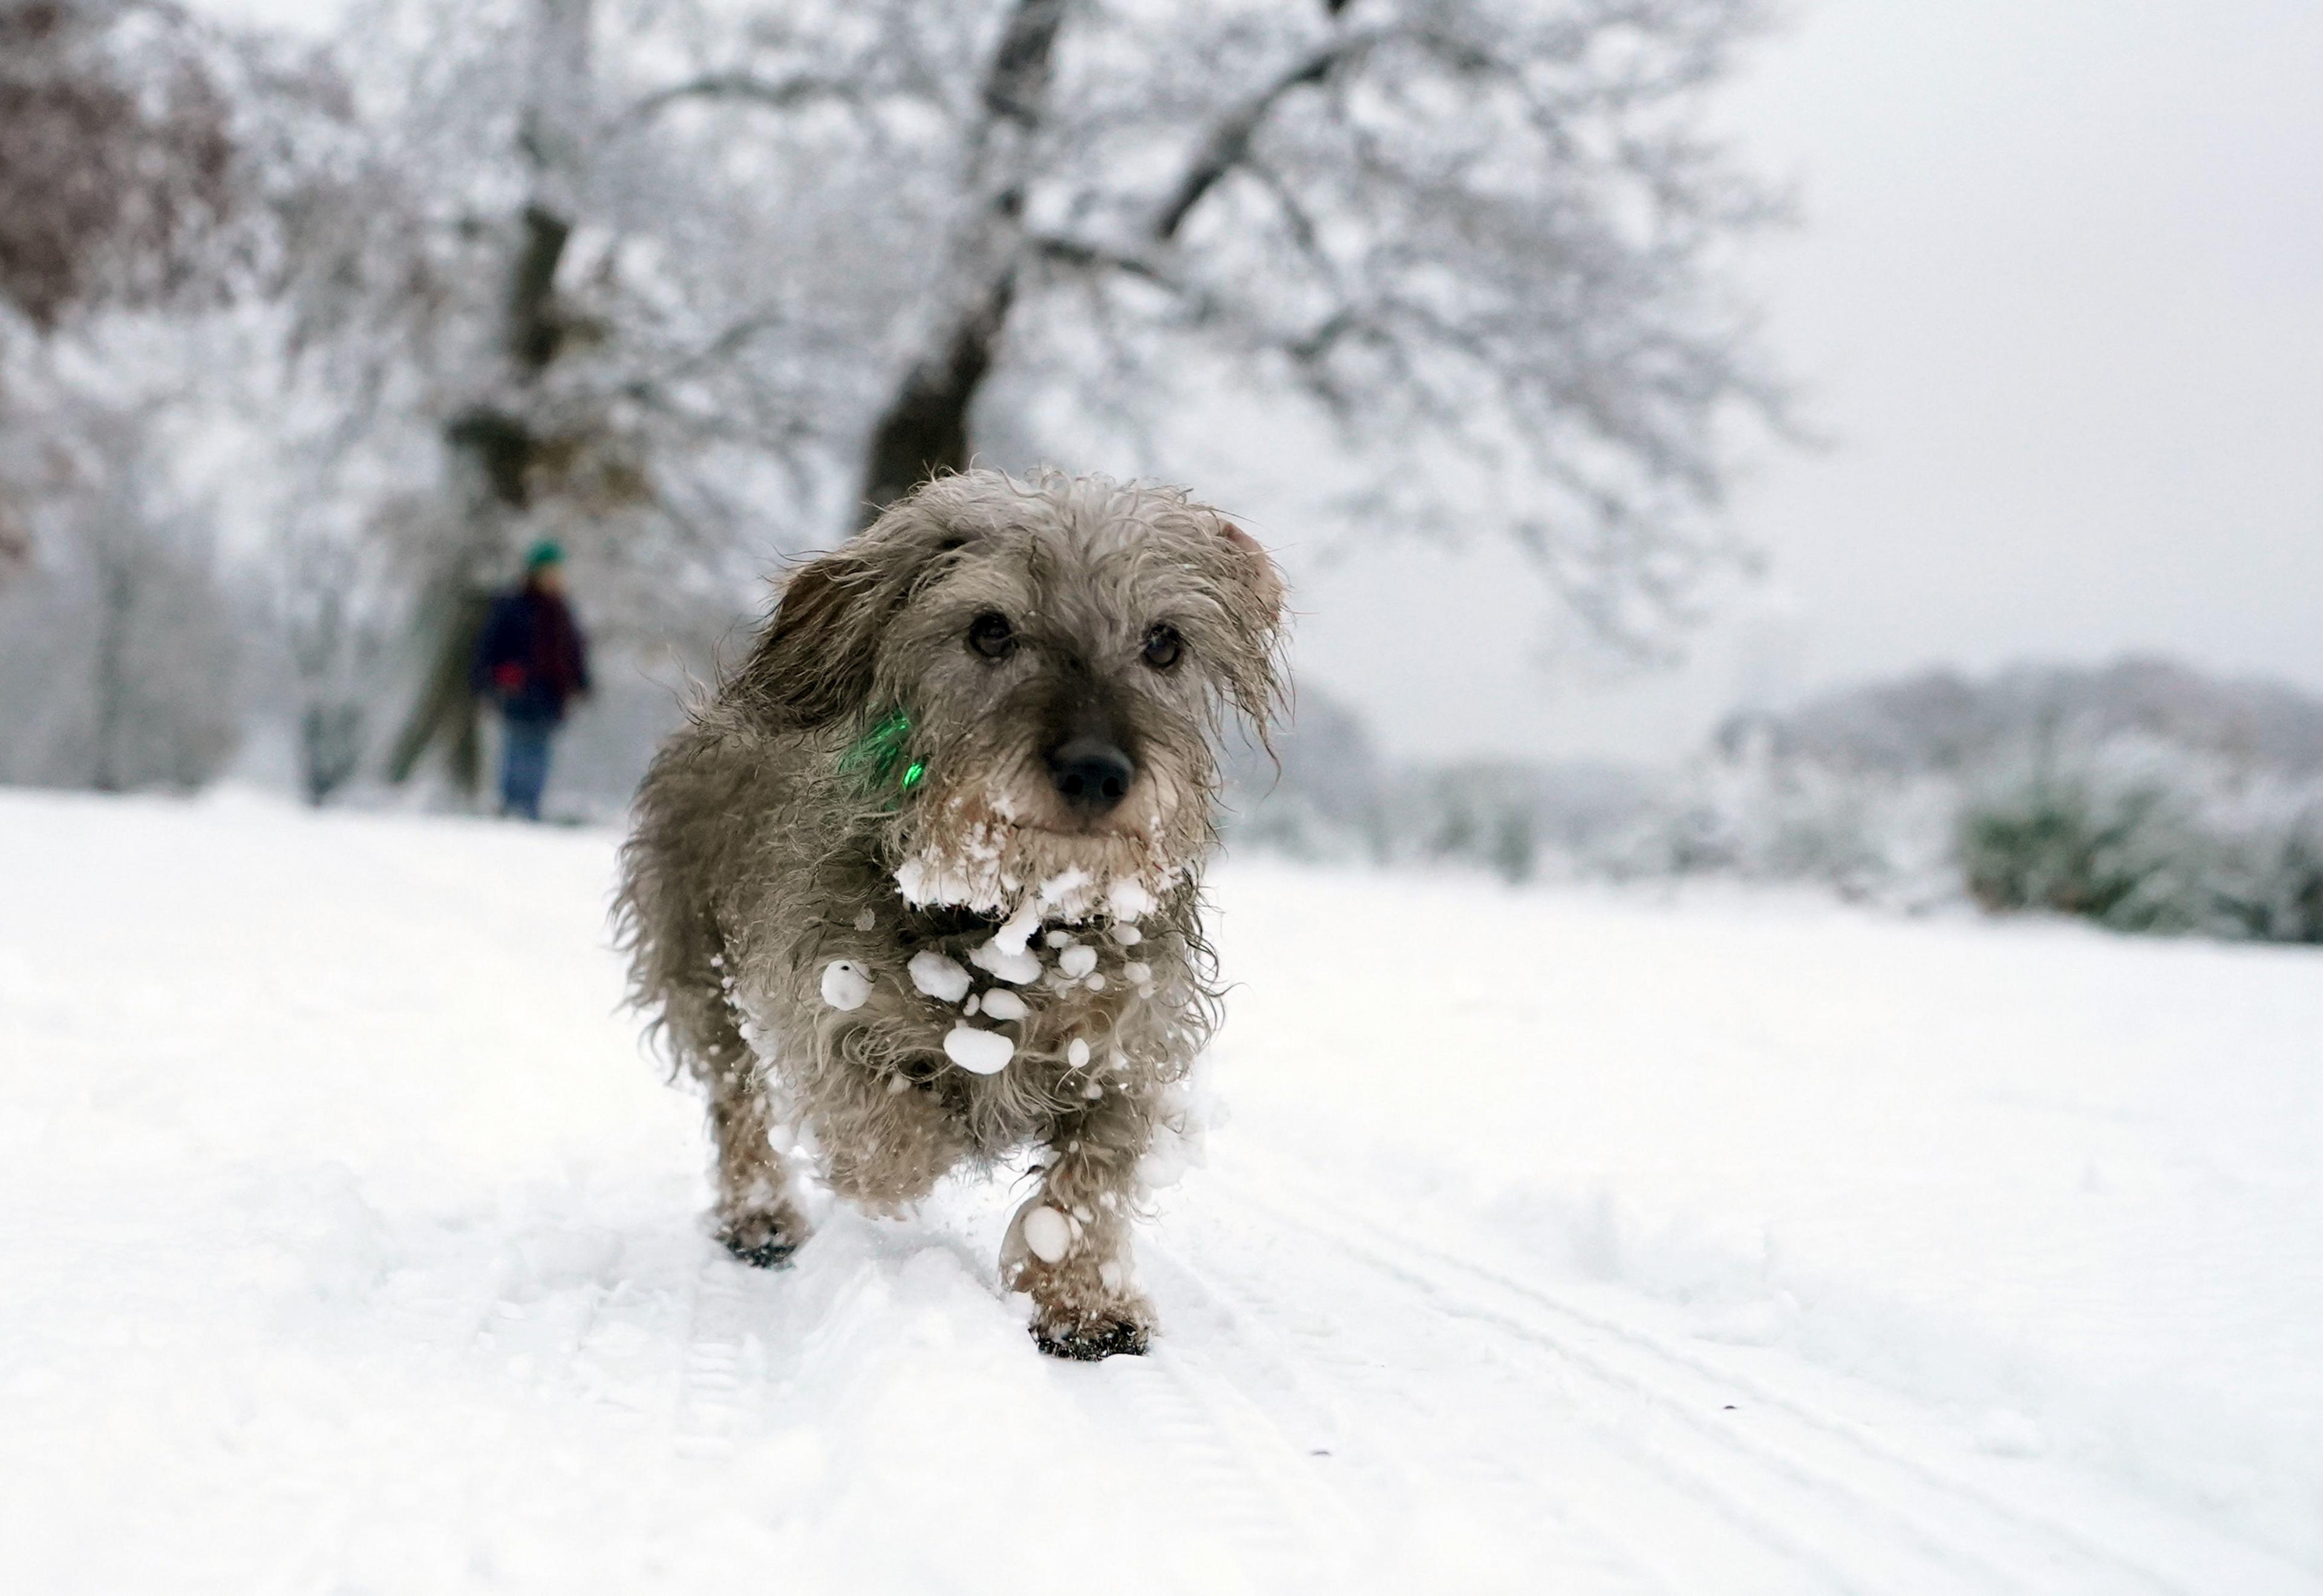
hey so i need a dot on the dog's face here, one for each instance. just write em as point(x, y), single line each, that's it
point(1035, 675)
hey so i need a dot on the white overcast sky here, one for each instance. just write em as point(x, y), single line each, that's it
point(2057, 303)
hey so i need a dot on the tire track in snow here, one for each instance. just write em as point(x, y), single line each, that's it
point(1877, 1450)
point(1968, 1530)
point(1230, 1466)
point(1270, 1372)
point(1813, 1516)
point(1226, 1498)
point(1622, 1475)
point(1286, 1510)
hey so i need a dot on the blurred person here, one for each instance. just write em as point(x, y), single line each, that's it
point(531, 661)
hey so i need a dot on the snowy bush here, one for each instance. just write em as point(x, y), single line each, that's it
point(1747, 811)
point(2141, 797)
point(2131, 856)
point(2115, 835)
point(2267, 839)
point(2281, 899)
point(1329, 795)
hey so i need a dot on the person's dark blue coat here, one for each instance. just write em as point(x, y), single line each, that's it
point(531, 658)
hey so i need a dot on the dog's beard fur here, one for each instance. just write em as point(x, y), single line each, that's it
point(991, 847)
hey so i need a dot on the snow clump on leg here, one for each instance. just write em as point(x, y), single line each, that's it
point(938, 976)
point(1048, 1235)
point(845, 985)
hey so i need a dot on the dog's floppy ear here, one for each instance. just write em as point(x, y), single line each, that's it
point(1266, 580)
point(813, 663)
point(1254, 673)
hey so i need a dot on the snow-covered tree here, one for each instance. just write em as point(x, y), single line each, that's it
point(118, 650)
point(119, 184)
point(704, 278)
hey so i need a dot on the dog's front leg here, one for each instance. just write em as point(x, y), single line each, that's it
point(1068, 1244)
point(758, 1218)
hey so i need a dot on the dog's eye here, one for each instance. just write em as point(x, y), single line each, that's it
point(1163, 647)
point(990, 635)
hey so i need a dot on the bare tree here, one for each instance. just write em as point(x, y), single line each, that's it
point(592, 312)
point(1477, 249)
point(115, 158)
point(1483, 243)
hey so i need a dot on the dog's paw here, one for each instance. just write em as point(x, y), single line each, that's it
point(769, 1254)
point(1087, 1342)
point(762, 1240)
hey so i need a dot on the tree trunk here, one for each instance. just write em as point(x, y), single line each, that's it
point(116, 594)
point(446, 713)
point(330, 748)
point(494, 438)
point(924, 429)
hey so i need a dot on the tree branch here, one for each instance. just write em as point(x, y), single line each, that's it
point(1076, 252)
point(773, 93)
point(1228, 145)
point(1017, 86)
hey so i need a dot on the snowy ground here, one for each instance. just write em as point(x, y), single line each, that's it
point(1557, 1243)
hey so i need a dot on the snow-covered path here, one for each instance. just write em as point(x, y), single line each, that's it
point(1557, 1243)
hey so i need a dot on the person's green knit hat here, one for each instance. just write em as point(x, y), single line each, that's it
point(546, 552)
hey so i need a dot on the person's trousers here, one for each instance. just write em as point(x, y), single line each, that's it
point(524, 766)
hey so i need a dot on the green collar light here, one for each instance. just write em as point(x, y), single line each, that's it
point(881, 750)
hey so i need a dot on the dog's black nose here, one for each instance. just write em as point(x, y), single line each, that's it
point(1093, 775)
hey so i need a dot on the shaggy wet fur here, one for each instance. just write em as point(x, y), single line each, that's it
point(877, 782)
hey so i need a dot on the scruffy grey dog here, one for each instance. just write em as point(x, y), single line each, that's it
point(922, 880)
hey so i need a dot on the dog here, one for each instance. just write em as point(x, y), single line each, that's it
point(920, 883)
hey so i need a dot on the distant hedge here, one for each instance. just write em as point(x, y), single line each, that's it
point(2146, 854)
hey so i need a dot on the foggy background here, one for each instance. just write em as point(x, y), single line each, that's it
point(2055, 306)
point(2056, 302)
point(2031, 539)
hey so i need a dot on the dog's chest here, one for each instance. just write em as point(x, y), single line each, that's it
point(1066, 981)
point(1022, 1020)
point(1051, 1013)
